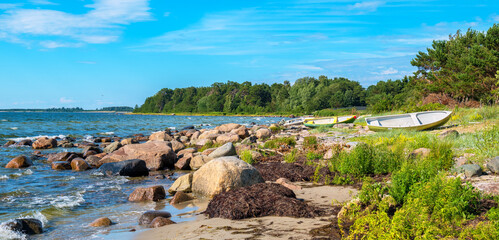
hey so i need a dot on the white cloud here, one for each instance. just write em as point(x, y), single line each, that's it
point(389, 71)
point(42, 2)
point(366, 6)
point(54, 44)
point(102, 24)
point(306, 67)
point(4, 6)
point(66, 100)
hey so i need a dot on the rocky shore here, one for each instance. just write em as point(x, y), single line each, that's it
point(266, 182)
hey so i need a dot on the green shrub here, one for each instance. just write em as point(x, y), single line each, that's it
point(247, 157)
point(310, 142)
point(366, 159)
point(371, 192)
point(208, 145)
point(275, 129)
point(276, 143)
point(313, 155)
point(291, 156)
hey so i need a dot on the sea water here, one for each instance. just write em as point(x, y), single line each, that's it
point(66, 201)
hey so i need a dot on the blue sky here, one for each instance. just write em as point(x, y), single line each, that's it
point(97, 53)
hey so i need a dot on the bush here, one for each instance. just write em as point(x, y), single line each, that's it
point(276, 143)
point(275, 129)
point(313, 156)
point(310, 142)
point(366, 159)
point(247, 157)
point(291, 156)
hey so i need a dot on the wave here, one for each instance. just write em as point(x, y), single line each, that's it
point(107, 133)
point(7, 234)
point(4, 177)
point(68, 201)
point(18, 139)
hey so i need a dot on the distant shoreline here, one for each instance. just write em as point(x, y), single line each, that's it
point(210, 114)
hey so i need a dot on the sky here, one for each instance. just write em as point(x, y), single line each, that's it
point(99, 53)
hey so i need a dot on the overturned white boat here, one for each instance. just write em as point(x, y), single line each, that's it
point(411, 121)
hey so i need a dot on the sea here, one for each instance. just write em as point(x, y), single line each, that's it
point(67, 201)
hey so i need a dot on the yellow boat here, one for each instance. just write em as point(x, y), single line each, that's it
point(410, 121)
point(328, 122)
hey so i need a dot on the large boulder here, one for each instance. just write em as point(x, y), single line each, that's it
point(263, 133)
point(183, 183)
point(131, 168)
point(112, 147)
point(183, 163)
point(44, 143)
point(177, 146)
point(25, 142)
point(198, 161)
point(154, 193)
point(94, 161)
point(223, 174)
point(157, 154)
point(493, 165)
point(180, 197)
point(211, 134)
point(61, 166)
point(148, 216)
point(63, 156)
point(19, 162)
point(227, 149)
point(228, 127)
point(160, 136)
point(242, 132)
point(28, 226)
point(227, 137)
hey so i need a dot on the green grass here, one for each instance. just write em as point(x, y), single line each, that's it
point(247, 156)
point(276, 143)
point(291, 156)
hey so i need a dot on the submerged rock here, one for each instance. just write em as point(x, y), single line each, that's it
point(154, 193)
point(61, 166)
point(101, 222)
point(28, 226)
point(9, 143)
point(78, 164)
point(25, 142)
point(223, 174)
point(130, 168)
point(44, 143)
point(148, 216)
point(19, 162)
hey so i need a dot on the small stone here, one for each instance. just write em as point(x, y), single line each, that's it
point(101, 222)
point(61, 166)
point(148, 216)
point(263, 133)
point(160, 136)
point(9, 143)
point(286, 183)
point(449, 134)
point(25, 142)
point(177, 146)
point(470, 170)
point(179, 197)
point(420, 152)
point(19, 162)
point(44, 143)
point(154, 193)
point(227, 149)
point(78, 164)
point(493, 165)
point(183, 163)
point(160, 221)
point(112, 147)
point(183, 183)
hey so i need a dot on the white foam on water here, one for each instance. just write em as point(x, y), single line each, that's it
point(69, 178)
point(4, 120)
point(68, 201)
point(14, 128)
point(107, 133)
point(4, 177)
point(37, 215)
point(32, 138)
point(97, 174)
point(7, 234)
point(18, 174)
point(28, 172)
point(88, 137)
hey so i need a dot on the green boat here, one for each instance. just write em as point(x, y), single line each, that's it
point(328, 122)
point(411, 121)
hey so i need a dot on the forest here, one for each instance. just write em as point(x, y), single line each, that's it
point(461, 70)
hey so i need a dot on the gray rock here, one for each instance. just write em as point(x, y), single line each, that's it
point(227, 149)
point(112, 147)
point(131, 168)
point(493, 165)
point(470, 170)
point(148, 216)
point(449, 134)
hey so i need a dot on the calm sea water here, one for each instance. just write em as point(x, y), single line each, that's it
point(66, 201)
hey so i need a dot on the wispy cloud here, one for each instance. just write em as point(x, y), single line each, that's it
point(367, 6)
point(306, 67)
point(66, 100)
point(4, 6)
point(102, 24)
point(42, 2)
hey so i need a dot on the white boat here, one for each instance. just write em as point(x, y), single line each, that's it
point(411, 121)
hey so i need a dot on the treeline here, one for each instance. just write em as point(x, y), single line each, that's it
point(116, 109)
point(462, 68)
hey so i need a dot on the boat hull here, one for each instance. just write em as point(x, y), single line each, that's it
point(310, 123)
point(419, 127)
